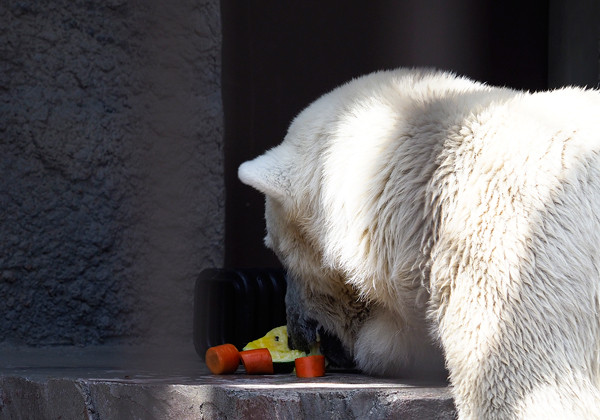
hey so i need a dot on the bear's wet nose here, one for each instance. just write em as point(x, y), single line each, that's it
point(302, 333)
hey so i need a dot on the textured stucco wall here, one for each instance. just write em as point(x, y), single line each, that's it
point(111, 191)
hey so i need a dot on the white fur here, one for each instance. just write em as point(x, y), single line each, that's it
point(414, 200)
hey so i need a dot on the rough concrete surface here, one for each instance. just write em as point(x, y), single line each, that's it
point(111, 183)
point(128, 383)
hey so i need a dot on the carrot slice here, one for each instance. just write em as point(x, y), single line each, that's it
point(310, 366)
point(222, 359)
point(257, 361)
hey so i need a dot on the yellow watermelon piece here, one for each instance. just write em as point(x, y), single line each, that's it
point(276, 341)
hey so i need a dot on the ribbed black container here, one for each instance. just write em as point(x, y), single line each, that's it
point(237, 306)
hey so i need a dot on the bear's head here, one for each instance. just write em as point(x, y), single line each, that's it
point(320, 303)
point(344, 204)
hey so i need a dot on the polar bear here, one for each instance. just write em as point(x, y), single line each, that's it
point(430, 221)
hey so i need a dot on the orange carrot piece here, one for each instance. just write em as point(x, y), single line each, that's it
point(257, 361)
point(222, 359)
point(310, 366)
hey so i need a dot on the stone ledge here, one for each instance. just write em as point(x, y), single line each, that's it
point(115, 383)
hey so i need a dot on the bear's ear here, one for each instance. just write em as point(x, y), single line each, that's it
point(268, 173)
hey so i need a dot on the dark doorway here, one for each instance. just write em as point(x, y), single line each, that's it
point(279, 56)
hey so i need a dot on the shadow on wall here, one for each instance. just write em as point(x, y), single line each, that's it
point(111, 193)
point(66, 175)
